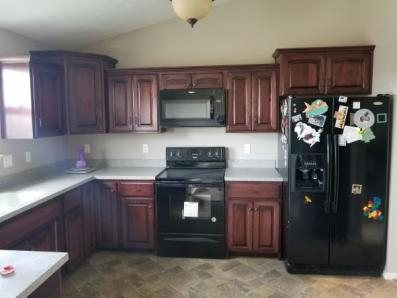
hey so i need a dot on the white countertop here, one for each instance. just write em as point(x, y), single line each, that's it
point(32, 269)
point(252, 174)
point(18, 199)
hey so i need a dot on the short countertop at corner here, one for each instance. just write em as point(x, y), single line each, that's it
point(253, 174)
point(32, 269)
point(20, 198)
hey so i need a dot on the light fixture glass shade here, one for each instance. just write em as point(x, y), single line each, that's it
point(192, 10)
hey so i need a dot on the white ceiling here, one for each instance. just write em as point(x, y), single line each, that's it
point(70, 24)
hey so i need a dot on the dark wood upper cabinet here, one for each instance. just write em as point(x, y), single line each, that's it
point(31, 98)
point(253, 223)
point(108, 220)
point(264, 100)
point(120, 103)
point(239, 116)
point(145, 99)
point(332, 70)
point(252, 100)
point(239, 227)
point(175, 81)
point(349, 73)
point(84, 88)
point(207, 80)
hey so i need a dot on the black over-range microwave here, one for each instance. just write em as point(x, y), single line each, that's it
point(193, 107)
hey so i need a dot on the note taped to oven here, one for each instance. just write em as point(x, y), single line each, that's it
point(190, 209)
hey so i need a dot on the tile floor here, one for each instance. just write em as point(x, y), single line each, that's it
point(124, 274)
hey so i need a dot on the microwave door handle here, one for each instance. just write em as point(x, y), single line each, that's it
point(212, 107)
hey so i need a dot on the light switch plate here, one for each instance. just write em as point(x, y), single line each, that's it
point(87, 148)
point(247, 148)
point(145, 148)
point(7, 161)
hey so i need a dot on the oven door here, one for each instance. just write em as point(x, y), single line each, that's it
point(190, 208)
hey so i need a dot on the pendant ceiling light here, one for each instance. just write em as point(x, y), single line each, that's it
point(192, 10)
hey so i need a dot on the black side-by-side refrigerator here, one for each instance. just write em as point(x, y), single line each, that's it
point(336, 155)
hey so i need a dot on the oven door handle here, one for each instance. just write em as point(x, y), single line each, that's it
point(188, 184)
point(190, 239)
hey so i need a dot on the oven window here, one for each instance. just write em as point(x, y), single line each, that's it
point(186, 109)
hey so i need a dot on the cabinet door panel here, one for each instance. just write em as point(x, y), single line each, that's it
point(207, 80)
point(266, 231)
point(107, 215)
point(239, 102)
point(146, 103)
point(175, 81)
point(85, 96)
point(302, 74)
point(239, 229)
point(137, 218)
point(48, 98)
point(349, 73)
point(120, 103)
point(264, 100)
point(45, 239)
point(74, 236)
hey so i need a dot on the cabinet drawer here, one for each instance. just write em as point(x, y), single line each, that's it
point(261, 190)
point(72, 199)
point(136, 189)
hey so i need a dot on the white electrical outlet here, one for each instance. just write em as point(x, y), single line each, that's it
point(145, 148)
point(28, 156)
point(7, 161)
point(247, 148)
point(87, 148)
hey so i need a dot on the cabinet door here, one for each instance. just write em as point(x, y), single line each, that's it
point(85, 96)
point(175, 81)
point(145, 103)
point(265, 100)
point(45, 239)
point(266, 232)
point(137, 223)
point(239, 225)
point(120, 103)
point(74, 235)
point(107, 215)
point(207, 80)
point(89, 218)
point(239, 118)
point(349, 73)
point(302, 74)
point(48, 99)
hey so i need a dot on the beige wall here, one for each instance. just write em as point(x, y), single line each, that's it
point(380, 27)
point(43, 151)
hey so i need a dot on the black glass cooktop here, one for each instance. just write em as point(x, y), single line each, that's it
point(192, 175)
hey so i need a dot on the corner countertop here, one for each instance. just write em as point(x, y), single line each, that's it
point(32, 269)
point(253, 174)
point(21, 198)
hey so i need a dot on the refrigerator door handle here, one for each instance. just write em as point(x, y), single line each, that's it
point(327, 204)
point(335, 202)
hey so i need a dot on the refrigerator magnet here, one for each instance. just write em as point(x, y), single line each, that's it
point(307, 133)
point(342, 99)
point(317, 107)
point(381, 118)
point(342, 140)
point(308, 200)
point(371, 210)
point(318, 120)
point(340, 116)
point(356, 105)
point(357, 189)
point(367, 135)
point(296, 118)
point(364, 118)
point(352, 134)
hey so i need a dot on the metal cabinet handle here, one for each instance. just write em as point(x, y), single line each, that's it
point(150, 206)
point(256, 209)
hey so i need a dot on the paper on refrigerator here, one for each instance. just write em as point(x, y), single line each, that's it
point(352, 134)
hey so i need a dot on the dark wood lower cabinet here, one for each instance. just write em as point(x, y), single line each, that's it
point(253, 224)
point(137, 223)
point(107, 215)
point(51, 288)
point(74, 235)
point(89, 201)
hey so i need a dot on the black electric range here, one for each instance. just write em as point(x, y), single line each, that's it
point(190, 203)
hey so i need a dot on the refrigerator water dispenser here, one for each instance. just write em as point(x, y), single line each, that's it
point(309, 172)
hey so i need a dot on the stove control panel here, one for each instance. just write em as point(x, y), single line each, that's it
point(191, 154)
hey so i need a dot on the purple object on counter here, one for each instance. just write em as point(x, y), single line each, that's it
point(81, 162)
